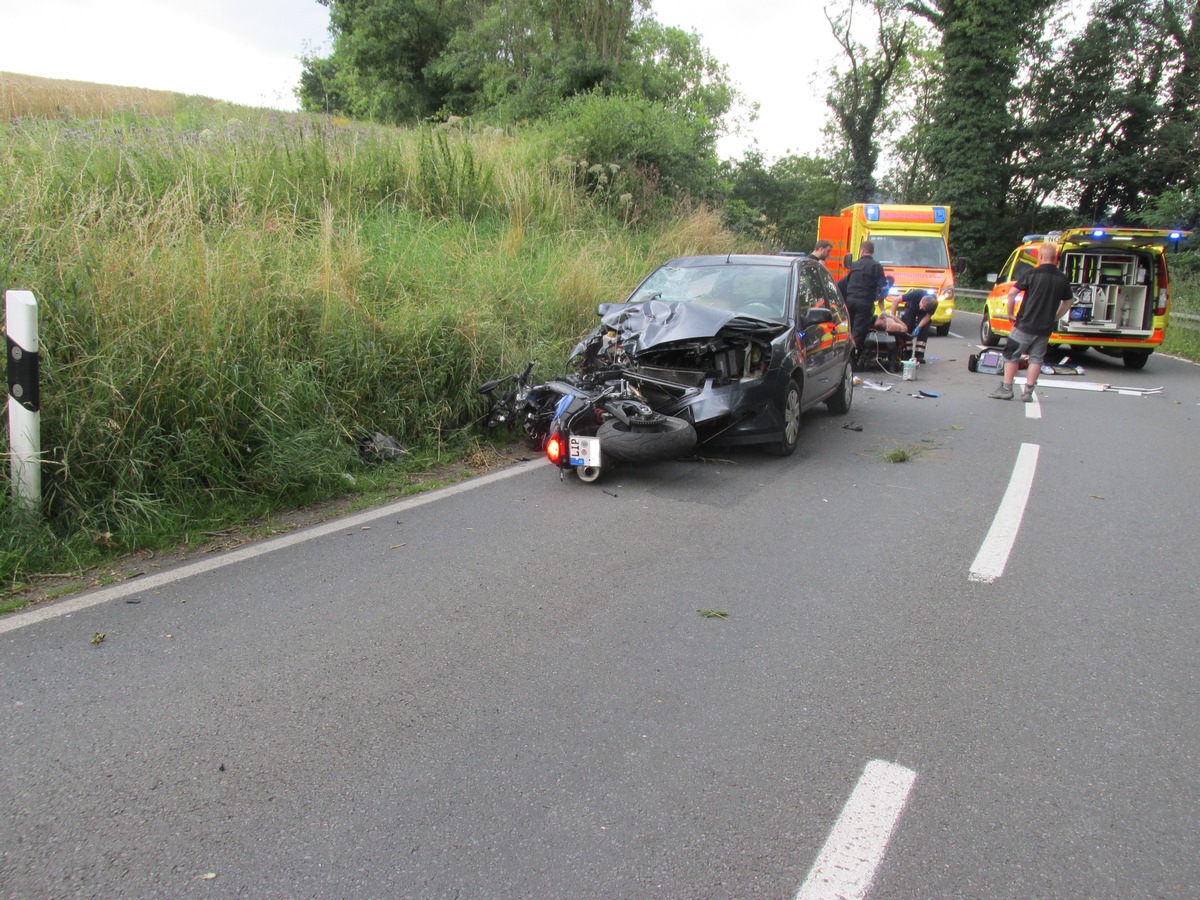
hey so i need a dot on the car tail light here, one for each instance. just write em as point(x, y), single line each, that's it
point(556, 448)
point(1160, 308)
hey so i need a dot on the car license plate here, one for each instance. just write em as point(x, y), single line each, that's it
point(584, 451)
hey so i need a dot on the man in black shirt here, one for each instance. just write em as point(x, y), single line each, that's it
point(1047, 298)
point(861, 287)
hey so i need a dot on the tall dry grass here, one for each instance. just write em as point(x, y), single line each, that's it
point(48, 98)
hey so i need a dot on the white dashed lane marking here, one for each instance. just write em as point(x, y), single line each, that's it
point(997, 545)
point(852, 853)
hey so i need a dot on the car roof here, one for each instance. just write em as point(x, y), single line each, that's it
point(738, 259)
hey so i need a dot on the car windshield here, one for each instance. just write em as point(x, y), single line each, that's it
point(759, 291)
point(894, 250)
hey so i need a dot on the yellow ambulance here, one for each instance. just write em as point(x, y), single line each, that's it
point(912, 243)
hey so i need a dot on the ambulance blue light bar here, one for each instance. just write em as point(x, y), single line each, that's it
point(872, 212)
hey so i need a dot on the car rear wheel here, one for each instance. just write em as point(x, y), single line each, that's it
point(987, 337)
point(839, 403)
point(789, 412)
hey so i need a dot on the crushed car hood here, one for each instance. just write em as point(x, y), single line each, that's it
point(652, 323)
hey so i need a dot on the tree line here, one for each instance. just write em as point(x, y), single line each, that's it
point(1022, 119)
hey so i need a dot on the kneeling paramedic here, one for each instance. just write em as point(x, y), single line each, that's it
point(916, 310)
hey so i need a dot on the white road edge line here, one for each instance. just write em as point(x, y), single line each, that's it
point(141, 585)
point(997, 545)
point(852, 853)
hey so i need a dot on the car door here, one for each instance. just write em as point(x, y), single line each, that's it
point(1019, 262)
point(822, 344)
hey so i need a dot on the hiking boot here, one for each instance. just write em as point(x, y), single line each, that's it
point(1003, 392)
point(1027, 394)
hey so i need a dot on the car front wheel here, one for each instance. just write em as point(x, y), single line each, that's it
point(789, 411)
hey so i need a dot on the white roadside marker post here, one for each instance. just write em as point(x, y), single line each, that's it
point(24, 399)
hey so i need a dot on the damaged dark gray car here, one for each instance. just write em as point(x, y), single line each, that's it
point(730, 349)
point(738, 346)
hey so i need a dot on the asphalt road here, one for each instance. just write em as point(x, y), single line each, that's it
point(506, 689)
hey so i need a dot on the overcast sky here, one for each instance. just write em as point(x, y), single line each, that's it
point(247, 51)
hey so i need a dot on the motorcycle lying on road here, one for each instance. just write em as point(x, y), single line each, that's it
point(586, 421)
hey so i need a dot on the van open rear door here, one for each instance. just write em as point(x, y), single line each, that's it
point(836, 230)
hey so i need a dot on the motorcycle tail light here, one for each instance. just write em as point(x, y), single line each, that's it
point(556, 448)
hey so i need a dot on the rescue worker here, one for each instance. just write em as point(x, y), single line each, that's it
point(916, 314)
point(1048, 296)
point(861, 287)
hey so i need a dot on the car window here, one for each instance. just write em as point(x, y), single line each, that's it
point(1022, 260)
point(759, 291)
point(828, 292)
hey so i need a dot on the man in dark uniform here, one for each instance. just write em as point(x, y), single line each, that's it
point(916, 310)
point(1047, 298)
point(861, 286)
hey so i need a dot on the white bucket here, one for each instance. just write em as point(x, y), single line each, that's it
point(908, 369)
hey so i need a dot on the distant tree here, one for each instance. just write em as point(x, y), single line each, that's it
point(671, 66)
point(906, 150)
point(972, 142)
point(1111, 123)
point(388, 50)
point(409, 60)
point(859, 95)
point(781, 203)
point(522, 58)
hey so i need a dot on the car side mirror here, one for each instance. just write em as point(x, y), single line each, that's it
point(847, 260)
point(958, 265)
point(992, 277)
point(818, 315)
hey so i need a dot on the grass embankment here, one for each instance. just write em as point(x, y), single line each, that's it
point(229, 298)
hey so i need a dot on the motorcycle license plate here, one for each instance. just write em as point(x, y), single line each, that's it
point(583, 451)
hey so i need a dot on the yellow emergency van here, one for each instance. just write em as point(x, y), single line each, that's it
point(912, 243)
point(1120, 283)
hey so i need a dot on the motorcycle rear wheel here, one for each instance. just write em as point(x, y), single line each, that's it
point(663, 437)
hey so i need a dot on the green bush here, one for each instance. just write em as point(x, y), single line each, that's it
point(642, 139)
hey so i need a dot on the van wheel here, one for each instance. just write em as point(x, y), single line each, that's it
point(987, 337)
point(942, 330)
point(1135, 359)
